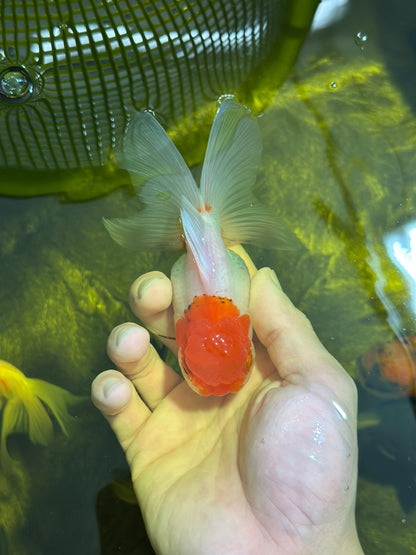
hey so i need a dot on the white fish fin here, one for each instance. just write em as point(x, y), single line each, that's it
point(147, 152)
point(158, 169)
point(153, 227)
point(256, 224)
point(229, 174)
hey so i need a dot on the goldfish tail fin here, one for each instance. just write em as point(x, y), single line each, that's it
point(229, 173)
point(57, 400)
point(14, 419)
point(159, 172)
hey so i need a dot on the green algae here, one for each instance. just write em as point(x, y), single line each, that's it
point(339, 173)
point(383, 525)
point(64, 287)
point(72, 185)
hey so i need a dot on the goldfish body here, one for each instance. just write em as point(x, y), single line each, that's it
point(210, 282)
point(389, 369)
point(23, 401)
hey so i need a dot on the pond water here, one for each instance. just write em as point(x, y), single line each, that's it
point(339, 168)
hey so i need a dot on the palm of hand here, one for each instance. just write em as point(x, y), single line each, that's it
point(242, 473)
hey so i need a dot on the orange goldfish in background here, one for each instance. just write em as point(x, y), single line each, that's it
point(23, 403)
point(210, 283)
point(390, 368)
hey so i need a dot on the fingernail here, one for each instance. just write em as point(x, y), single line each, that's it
point(109, 386)
point(144, 285)
point(273, 277)
point(121, 333)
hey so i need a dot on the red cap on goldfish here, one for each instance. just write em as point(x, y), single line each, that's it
point(215, 348)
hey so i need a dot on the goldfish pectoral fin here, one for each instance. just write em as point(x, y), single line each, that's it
point(57, 400)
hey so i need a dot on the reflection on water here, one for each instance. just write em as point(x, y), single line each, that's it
point(400, 244)
point(338, 168)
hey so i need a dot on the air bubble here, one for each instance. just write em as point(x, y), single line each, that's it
point(333, 85)
point(360, 40)
point(17, 84)
point(60, 29)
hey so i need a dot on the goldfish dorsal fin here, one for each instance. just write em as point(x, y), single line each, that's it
point(195, 236)
point(203, 240)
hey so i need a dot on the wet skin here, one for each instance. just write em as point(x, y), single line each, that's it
point(270, 469)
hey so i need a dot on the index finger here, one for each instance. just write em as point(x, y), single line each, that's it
point(289, 338)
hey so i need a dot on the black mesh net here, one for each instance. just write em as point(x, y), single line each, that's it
point(71, 72)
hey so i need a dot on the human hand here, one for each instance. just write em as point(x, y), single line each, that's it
point(271, 469)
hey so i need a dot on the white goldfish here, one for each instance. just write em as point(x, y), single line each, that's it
point(23, 403)
point(210, 282)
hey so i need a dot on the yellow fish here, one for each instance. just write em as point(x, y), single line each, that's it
point(23, 403)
